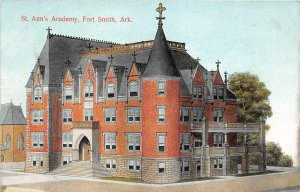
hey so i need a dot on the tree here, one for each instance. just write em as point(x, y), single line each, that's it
point(275, 156)
point(253, 97)
point(252, 103)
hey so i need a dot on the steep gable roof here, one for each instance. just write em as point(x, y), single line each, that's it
point(11, 115)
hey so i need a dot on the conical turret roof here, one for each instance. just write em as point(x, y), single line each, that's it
point(160, 63)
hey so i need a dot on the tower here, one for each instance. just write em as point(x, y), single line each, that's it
point(160, 113)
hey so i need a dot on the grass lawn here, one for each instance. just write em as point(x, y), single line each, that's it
point(124, 179)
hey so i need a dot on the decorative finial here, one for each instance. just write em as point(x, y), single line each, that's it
point(197, 59)
point(126, 71)
point(225, 73)
point(160, 9)
point(80, 70)
point(111, 58)
point(38, 60)
point(134, 57)
point(89, 47)
point(68, 62)
point(49, 32)
point(218, 63)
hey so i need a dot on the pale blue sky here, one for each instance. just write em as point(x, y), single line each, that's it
point(259, 37)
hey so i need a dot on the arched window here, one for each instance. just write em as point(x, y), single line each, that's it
point(21, 142)
point(8, 141)
point(88, 89)
point(133, 89)
point(37, 94)
point(110, 90)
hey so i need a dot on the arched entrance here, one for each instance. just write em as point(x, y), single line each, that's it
point(84, 149)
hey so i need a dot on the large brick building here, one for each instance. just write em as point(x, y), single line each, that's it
point(143, 110)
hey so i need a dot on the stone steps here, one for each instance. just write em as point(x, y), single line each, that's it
point(80, 169)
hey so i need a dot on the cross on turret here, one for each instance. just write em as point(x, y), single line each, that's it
point(111, 58)
point(218, 63)
point(160, 10)
point(89, 47)
point(68, 62)
point(49, 32)
point(134, 56)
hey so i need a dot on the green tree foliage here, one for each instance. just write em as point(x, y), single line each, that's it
point(253, 97)
point(275, 156)
point(253, 101)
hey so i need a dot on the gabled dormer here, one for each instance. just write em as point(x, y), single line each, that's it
point(133, 82)
point(68, 87)
point(218, 85)
point(110, 83)
point(198, 84)
point(38, 86)
point(88, 83)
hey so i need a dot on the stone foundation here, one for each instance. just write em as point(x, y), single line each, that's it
point(150, 172)
point(41, 162)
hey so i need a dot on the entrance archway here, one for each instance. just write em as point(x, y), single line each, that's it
point(84, 149)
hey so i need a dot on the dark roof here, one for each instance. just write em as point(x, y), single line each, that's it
point(160, 61)
point(11, 115)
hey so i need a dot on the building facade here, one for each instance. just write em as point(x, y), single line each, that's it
point(142, 110)
point(12, 133)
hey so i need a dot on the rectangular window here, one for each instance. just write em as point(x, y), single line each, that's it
point(161, 87)
point(186, 166)
point(161, 142)
point(110, 91)
point(37, 139)
point(161, 114)
point(218, 163)
point(134, 141)
point(185, 141)
point(68, 94)
point(110, 163)
point(198, 140)
point(218, 115)
point(88, 114)
point(67, 116)
point(134, 165)
point(197, 115)
point(218, 139)
point(66, 160)
point(133, 89)
point(161, 167)
point(67, 140)
point(37, 94)
point(41, 161)
point(110, 115)
point(215, 93)
point(34, 161)
point(133, 114)
point(37, 116)
point(184, 115)
point(110, 141)
point(218, 93)
point(198, 92)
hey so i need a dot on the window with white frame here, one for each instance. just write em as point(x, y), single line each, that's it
point(185, 166)
point(197, 115)
point(134, 141)
point(110, 90)
point(134, 165)
point(218, 163)
point(218, 92)
point(161, 87)
point(67, 140)
point(161, 167)
point(133, 114)
point(110, 141)
point(198, 140)
point(198, 92)
point(66, 159)
point(88, 89)
point(161, 139)
point(110, 115)
point(88, 114)
point(34, 161)
point(161, 114)
point(67, 115)
point(37, 92)
point(110, 163)
point(8, 141)
point(218, 139)
point(68, 93)
point(21, 142)
point(37, 139)
point(133, 89)
point(218, 115)
point(37, 116)
point(184, 115)
point(184, 141)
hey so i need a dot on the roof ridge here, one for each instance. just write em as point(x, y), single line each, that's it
point(85, 39)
